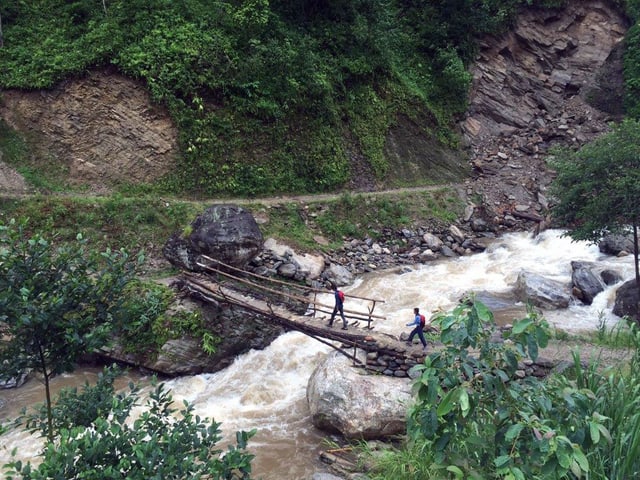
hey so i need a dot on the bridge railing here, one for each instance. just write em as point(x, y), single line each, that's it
point(314, 305)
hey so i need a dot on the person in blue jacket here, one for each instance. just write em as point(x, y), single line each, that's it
point(419, 322)
point(338, 308)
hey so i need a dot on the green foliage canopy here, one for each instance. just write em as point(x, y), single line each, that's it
point(56, 303)
point(598, 186)
point(161, 442)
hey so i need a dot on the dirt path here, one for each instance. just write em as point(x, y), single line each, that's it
point(13, 186)
point(323, 197)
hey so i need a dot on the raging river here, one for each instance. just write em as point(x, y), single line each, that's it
point(266, 389)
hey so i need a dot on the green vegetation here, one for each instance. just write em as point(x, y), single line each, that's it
point(474, 418)
point(632, 72)
point(108, 222)
point(615, 398)
point(120, 222)
point(99, 438)
point(358, 216)
point(152, 321)
point(621, 336)
point(598, 186)
point(56, 303)
point(267, 96)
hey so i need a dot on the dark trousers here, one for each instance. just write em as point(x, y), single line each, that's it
point(417, 331)
point(336, 309)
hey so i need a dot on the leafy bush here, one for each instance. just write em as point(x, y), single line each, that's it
point(478, 418)
point(473, 418)
point(161, 442)
point(148, 321)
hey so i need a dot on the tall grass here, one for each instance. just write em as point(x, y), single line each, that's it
point(616, 391)
point(621, 335)
point(414, 462)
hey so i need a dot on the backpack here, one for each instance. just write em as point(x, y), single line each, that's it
point(341, 295)
point(423, 320)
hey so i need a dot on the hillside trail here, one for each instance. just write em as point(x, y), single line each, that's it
point(13, 186)
point(327, 197)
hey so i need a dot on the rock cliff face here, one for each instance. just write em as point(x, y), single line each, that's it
point(103, 128)
point(554, 79)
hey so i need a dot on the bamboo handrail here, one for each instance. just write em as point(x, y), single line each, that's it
point(309, 331)
point(354, 313)
point(310, 289)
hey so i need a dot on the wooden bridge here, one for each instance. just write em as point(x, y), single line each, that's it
point(296, 307)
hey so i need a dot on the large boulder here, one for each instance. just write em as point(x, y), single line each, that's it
point(227, 233)
point(615, 244)
point(344, 400)
point(542, 292)
point(586, 281)
point(338, 275)
point(627, 298)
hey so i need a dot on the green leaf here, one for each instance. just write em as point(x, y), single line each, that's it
point(563, 458)
point(502, 461)
point(447, 403)
point(477, 440)
point(483, 313)
point(448, 321)
point(605, 432)
point(456, 471)
point(532, 346)
point(517, 473)
point(575, 469)
point(513, 432)
point(581, 458)
point(503, 376)
point(521, 325)
point(594, 431)
point(542, 336)
point(464, 402)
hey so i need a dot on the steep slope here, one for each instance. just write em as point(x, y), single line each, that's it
point(555, 79)
point(103, 129)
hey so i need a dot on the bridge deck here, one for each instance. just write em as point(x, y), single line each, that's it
point(358, 335)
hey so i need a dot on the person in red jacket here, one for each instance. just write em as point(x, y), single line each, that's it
point(419, 322)
point(338, 308)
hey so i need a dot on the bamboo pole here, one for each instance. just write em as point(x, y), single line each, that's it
point(353, 313)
